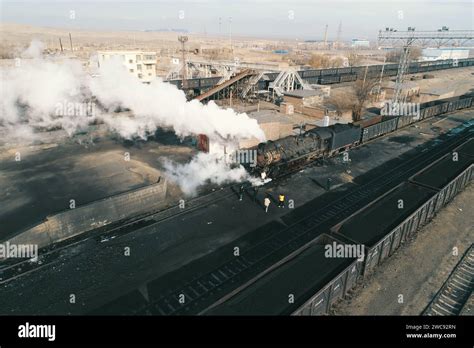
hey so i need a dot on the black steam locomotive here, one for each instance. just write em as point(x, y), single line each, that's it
point(293, 152)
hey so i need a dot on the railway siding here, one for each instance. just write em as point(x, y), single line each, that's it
point(385, 229)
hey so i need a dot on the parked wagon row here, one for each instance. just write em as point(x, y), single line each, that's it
point(320, 76)
point(282, 290)
point(429, 109)
point(318, 276)
point(293, 152)
point(388, 69)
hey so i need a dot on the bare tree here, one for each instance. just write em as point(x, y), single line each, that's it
point(394, 56)
point(362, 90)
point(319, 61)
point(337, 62)
point(342, 102)
point(353, 59)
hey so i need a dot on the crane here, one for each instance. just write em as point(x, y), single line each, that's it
point(408, 39)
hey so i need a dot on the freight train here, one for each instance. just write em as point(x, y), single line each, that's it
point(347, 74)
point(293, 152)
point(337, 75)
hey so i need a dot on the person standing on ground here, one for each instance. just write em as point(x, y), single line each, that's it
point(281, 201)
point(255, 192)
point(241, 192)
point(266, 203)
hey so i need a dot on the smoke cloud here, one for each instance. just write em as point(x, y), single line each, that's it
point(161, 104)
point(204, 168)
point(34, 90)
point(43, 92)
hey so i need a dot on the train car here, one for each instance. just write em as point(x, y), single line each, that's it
point(404, 121)
point(346, 70)
point(390, 72)
point(348, 77)
point(310, 73)
point(327, 80)
point(379, 129)
point(344, 137)
point(332, 71)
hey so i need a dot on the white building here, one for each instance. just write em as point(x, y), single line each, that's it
point(360, 43)
point(445, 53)
point(139, 63)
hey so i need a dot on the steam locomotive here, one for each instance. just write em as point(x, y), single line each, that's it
point(293, 152)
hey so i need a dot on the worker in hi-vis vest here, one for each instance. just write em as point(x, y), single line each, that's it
point(281, 201)
point(266, 203)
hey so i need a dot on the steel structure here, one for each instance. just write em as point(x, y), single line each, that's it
point(183, 40)
point(410, 38)
point(236, 85)
point(288, 80)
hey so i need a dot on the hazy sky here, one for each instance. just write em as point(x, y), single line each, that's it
point(298, 19)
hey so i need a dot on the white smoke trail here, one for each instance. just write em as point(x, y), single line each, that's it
point(203, 169)
point(32, 91)
point(36, 94)
point(163, 105)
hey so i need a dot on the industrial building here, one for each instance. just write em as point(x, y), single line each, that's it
point(138, 63)
point(360, 43)
point(430, 54)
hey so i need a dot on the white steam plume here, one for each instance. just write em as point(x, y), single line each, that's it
point(203, 168)
point(163, 105)
point(32, 91)
point(36, 91)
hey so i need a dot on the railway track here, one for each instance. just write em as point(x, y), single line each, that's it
point(207, 290)
point(455, 292)
point(50, 255)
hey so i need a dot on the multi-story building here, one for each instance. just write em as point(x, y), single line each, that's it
point(139, 63)
point(360, 43)
point(445, 53)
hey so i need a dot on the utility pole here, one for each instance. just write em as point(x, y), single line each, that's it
point(339, 31)
point(326, 37)
point(183, 40)
point(70, 41)
point(379, 89)
point(230, 36)
point(61, 45)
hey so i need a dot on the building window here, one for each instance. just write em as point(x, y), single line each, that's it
point(148, 66)
point(130, 61)
point(138, 57)
point(140, 76)
point(149, 57)
point(131, 70)
point(139, 67)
